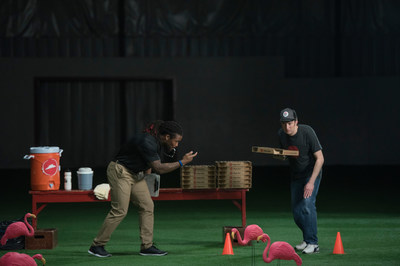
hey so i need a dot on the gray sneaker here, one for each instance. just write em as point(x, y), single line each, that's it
point(99, 251)
point(152, 251)
point(310, 249)
point(301, 246)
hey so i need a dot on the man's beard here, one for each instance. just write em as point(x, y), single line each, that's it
point(168, 151)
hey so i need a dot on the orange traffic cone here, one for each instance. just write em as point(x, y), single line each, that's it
point(228, 246)
point(338, 249)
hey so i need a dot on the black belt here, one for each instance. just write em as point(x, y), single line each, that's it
point(136, 173)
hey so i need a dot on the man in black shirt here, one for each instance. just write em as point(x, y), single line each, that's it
point(138, 157)
point(306, 174)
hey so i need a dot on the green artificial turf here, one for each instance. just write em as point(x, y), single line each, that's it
point(192, 231)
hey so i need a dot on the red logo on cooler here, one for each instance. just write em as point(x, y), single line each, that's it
point(50, 167)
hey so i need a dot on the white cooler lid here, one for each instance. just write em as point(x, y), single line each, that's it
point(85, 170)
point(45, 149)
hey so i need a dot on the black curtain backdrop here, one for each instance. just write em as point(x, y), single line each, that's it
point(91, 119)
point(337, 55)
point(325, 38)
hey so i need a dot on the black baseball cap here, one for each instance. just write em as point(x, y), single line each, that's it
point(288, 115)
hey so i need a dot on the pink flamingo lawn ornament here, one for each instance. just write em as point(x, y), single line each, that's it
point(252, 232)
point(18, 229)
point(20, 259)
point(280, 250)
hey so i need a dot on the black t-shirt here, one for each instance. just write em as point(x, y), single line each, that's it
point(307, 143)
point(139, 152)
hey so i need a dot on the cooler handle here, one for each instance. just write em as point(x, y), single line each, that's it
point(61, 150)
point(28, 157)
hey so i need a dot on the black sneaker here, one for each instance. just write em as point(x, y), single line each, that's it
point(153, 251)
point(99, 251)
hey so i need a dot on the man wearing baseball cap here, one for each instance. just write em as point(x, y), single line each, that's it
point(306, 174)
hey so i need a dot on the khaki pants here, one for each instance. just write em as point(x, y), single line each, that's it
point(126, 188)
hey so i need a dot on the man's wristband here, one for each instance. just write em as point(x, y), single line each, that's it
point(180, 163)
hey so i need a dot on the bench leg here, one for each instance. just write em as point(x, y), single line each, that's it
point(244, 209)
point(36, 211)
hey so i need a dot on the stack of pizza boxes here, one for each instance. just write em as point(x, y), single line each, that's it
point(198, 176)
point(234, 174)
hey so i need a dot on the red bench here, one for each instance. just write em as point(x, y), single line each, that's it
point(40, 199)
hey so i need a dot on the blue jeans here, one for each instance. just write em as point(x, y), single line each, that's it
point(304, 210)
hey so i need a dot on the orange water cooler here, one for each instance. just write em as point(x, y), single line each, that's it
point(45, 167)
